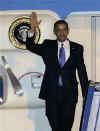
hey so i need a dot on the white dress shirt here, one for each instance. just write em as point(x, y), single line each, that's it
point(30, 34)
point(66, 46)
point(1, 100)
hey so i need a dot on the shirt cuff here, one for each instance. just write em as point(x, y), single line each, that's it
point(1, 100)
point(30, 34)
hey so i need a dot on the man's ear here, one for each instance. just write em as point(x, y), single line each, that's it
point(68, 30)
point(54, 32)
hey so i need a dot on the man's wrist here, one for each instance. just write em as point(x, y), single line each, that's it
point(30, 34)
point(1, 100)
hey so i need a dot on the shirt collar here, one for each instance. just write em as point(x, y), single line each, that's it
point(66, 43)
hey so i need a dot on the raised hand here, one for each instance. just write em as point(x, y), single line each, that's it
point(34, 22)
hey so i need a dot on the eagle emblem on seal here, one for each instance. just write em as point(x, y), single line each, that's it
point(18, 32)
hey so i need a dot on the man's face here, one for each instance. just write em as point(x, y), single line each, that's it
point(61, 32)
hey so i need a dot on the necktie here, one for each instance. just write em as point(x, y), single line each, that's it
point(61, 62)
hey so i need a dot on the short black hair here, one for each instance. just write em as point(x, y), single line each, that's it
point(60, 22)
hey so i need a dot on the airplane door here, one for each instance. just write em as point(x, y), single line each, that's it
point(97, 47)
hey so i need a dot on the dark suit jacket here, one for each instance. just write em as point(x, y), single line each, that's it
point(49, 51)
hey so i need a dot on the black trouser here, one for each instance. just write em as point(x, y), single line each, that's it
point(61, 114)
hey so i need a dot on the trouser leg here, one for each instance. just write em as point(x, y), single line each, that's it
point(53, 116)
point(67, 116)
point(61, 114)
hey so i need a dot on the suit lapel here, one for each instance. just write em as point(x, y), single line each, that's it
point(70, 55)
point(56, 50)
point(72, 49)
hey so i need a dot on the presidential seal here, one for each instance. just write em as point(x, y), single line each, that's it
point(18, 32)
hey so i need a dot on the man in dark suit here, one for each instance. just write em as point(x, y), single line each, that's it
point(59, 86)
